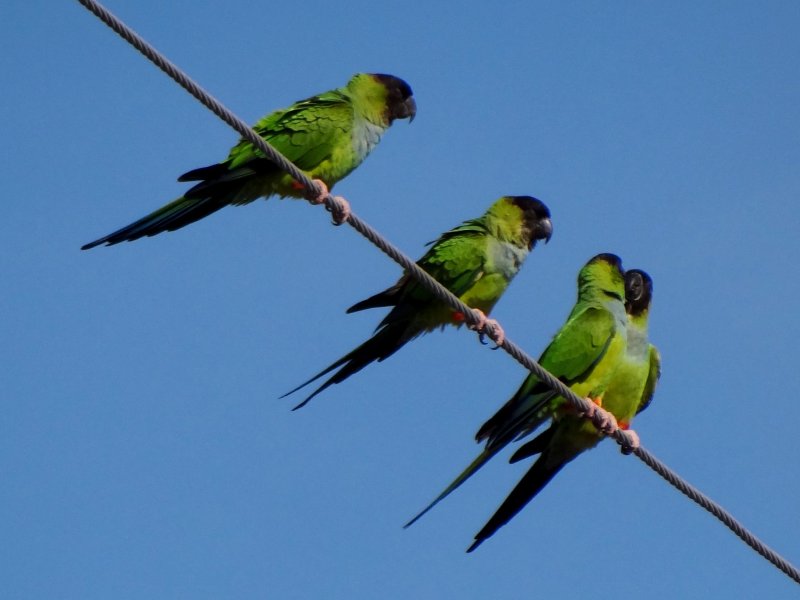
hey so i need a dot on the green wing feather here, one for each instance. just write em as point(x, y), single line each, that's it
point(580, 344)
point(305, 133)
point(571, 357)
point(458, 260)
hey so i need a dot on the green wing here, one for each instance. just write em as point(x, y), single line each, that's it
point(572, 355)
point(652, 379)
point(306, 133)
point(580, 344)
point(457, 261)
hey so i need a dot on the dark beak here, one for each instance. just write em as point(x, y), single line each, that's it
point(409, 109)
point(545, 229)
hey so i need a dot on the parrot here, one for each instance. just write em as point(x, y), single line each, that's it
point(629, 391)
point(582, 355)
point(476, 261)
point(327, 136)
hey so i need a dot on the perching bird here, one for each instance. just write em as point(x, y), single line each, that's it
point(327, 136)
point(629, 392)
point(634, 382)
point(583, 355)
point(476, 261)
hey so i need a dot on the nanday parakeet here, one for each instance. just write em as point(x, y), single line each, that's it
point(327, 136)
point(629, 391)
point(476, 261)
point(583, 355)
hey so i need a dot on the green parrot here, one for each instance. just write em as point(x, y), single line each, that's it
point(583, 355)
point(476, 261)
point(327, 136)
point(629, 391)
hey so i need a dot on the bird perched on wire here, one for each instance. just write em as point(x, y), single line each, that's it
point(475, 261)
point(629, 391)
point(601, 352)
point(327, 136)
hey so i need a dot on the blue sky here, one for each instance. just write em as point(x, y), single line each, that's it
point(143, 449)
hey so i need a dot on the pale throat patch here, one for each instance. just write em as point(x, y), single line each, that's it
point(638, 344)
point(366, 136)
point(506, 257)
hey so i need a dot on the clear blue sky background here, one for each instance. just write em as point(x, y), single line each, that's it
point(144, 452)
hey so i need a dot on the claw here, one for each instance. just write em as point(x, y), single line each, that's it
point(631, 442)
point(480, 316)
point(341, 212)
point(323, 193)
point(603, 420)
point(589, 414)
point(497, 335)
point(341, 207)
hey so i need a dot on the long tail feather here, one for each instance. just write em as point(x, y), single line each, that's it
point(325, 371)
point(208, 173)
point(219, 187)
point(173, 216)
point(536, 446)
point(382, 345)
point(538, 476)
point(474, 466)
point(385, 298)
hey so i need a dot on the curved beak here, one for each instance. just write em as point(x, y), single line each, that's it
point(545, 229)
point(409, 110)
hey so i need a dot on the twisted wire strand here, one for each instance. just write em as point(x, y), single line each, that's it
point(439, 291)
point(187, 83)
